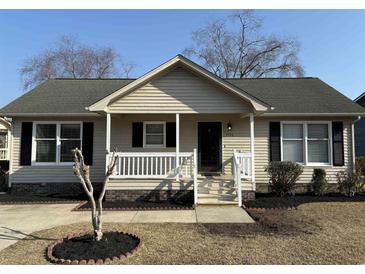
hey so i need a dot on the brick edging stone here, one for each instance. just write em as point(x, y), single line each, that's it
point(78, 208)
point(55, 260)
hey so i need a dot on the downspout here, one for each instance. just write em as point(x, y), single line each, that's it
point(10, 149)
point(353, 142)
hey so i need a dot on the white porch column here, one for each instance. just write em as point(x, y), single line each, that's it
point(252, 146)
point(177, 146)
point(108, 126)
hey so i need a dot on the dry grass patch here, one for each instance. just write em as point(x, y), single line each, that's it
point(318, 233)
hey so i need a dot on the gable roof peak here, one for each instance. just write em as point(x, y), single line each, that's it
point(256, 103)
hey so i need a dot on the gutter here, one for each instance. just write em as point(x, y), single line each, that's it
point(359, 114)
point(91, 114)
point(353, 142)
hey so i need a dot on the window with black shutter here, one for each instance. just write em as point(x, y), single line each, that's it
point(337, 143)
point(26, 144)
point(88, 142)
point(170, 134)
point(137, 134)
point(275, 148)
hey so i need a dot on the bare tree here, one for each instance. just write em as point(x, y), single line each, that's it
point(244, 52)
point(82, 172)
point(71, 59)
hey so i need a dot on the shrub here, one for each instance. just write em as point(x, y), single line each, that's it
point(348, 182)
point(319, 181)
point(360, 170)
point(283, 176)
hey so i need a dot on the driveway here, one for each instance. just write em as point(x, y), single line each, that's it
point(19, 221)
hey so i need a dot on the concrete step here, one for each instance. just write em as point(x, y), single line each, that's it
point(205, 201)
point(216, 184)
point(217, 190)
point(217, 198)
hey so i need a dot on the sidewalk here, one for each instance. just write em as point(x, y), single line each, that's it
point(17, 221)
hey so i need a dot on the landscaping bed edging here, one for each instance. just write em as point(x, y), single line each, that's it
point(55, 260)
point(80, 207)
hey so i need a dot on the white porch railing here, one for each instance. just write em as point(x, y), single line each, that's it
point(157, 165)
point(244, 160)
point(3, 154)
point(242, 169)
point(154, 165)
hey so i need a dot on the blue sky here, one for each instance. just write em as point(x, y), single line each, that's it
point(332, 41)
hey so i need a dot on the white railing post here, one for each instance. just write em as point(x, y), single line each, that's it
point(177, 146)
point(107, 141)
point(195, 177)
point(237, 169)
point(252, 148)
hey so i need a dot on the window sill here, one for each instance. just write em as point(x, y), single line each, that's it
point(52, 164)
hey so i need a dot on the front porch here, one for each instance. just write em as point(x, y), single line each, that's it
point(183, 165)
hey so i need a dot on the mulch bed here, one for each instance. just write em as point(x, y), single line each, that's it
point(136, 205)
point(9, 199)
point(269, 201)
point(83, 249)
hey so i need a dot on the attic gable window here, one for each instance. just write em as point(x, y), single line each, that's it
point(53, 142)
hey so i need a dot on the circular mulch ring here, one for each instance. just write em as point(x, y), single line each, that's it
point(82, 249)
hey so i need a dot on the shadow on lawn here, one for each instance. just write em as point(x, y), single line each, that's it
point(271, 201)
point(18, 236)
point(267, 223)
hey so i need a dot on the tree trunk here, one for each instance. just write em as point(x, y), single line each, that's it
point(82, 172)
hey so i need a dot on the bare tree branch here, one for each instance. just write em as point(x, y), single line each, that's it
point(244, 52)
point(70, 59)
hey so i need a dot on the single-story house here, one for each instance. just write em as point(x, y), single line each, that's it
point(360, 129)
point(179, 129)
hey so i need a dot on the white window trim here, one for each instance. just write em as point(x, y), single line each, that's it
point(145, 123)
point(305, 142)
point(58, 143)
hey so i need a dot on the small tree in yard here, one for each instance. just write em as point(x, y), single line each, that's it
point(283, 176)
point(82, 172)
point(319, 181)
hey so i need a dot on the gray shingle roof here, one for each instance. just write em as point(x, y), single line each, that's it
point(298, 95)
point(286, 95)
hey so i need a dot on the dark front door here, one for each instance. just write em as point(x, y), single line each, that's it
point(209, 146)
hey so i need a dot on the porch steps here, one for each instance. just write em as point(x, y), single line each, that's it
point(216, 190)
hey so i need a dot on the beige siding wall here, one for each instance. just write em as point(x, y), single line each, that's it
point(121, 138)
point(239, 138)
point(262, 150)
point(180, 91)
point(57, 174)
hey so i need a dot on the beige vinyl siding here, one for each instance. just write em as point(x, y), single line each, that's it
point(121, 138)
point(57, 174)
point(262, 153)
point(180, 91)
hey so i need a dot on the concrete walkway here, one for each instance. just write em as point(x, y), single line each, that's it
point(18, 221)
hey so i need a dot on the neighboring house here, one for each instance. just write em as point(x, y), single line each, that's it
point(177, 129)
point(5, 128)
point(360, 130)
point(5, 133)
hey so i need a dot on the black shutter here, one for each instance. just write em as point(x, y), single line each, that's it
point(88, 142)
point(137, 134)
point(275, 141)
point(337, 143)
point(26, 144)
point(170, 134)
